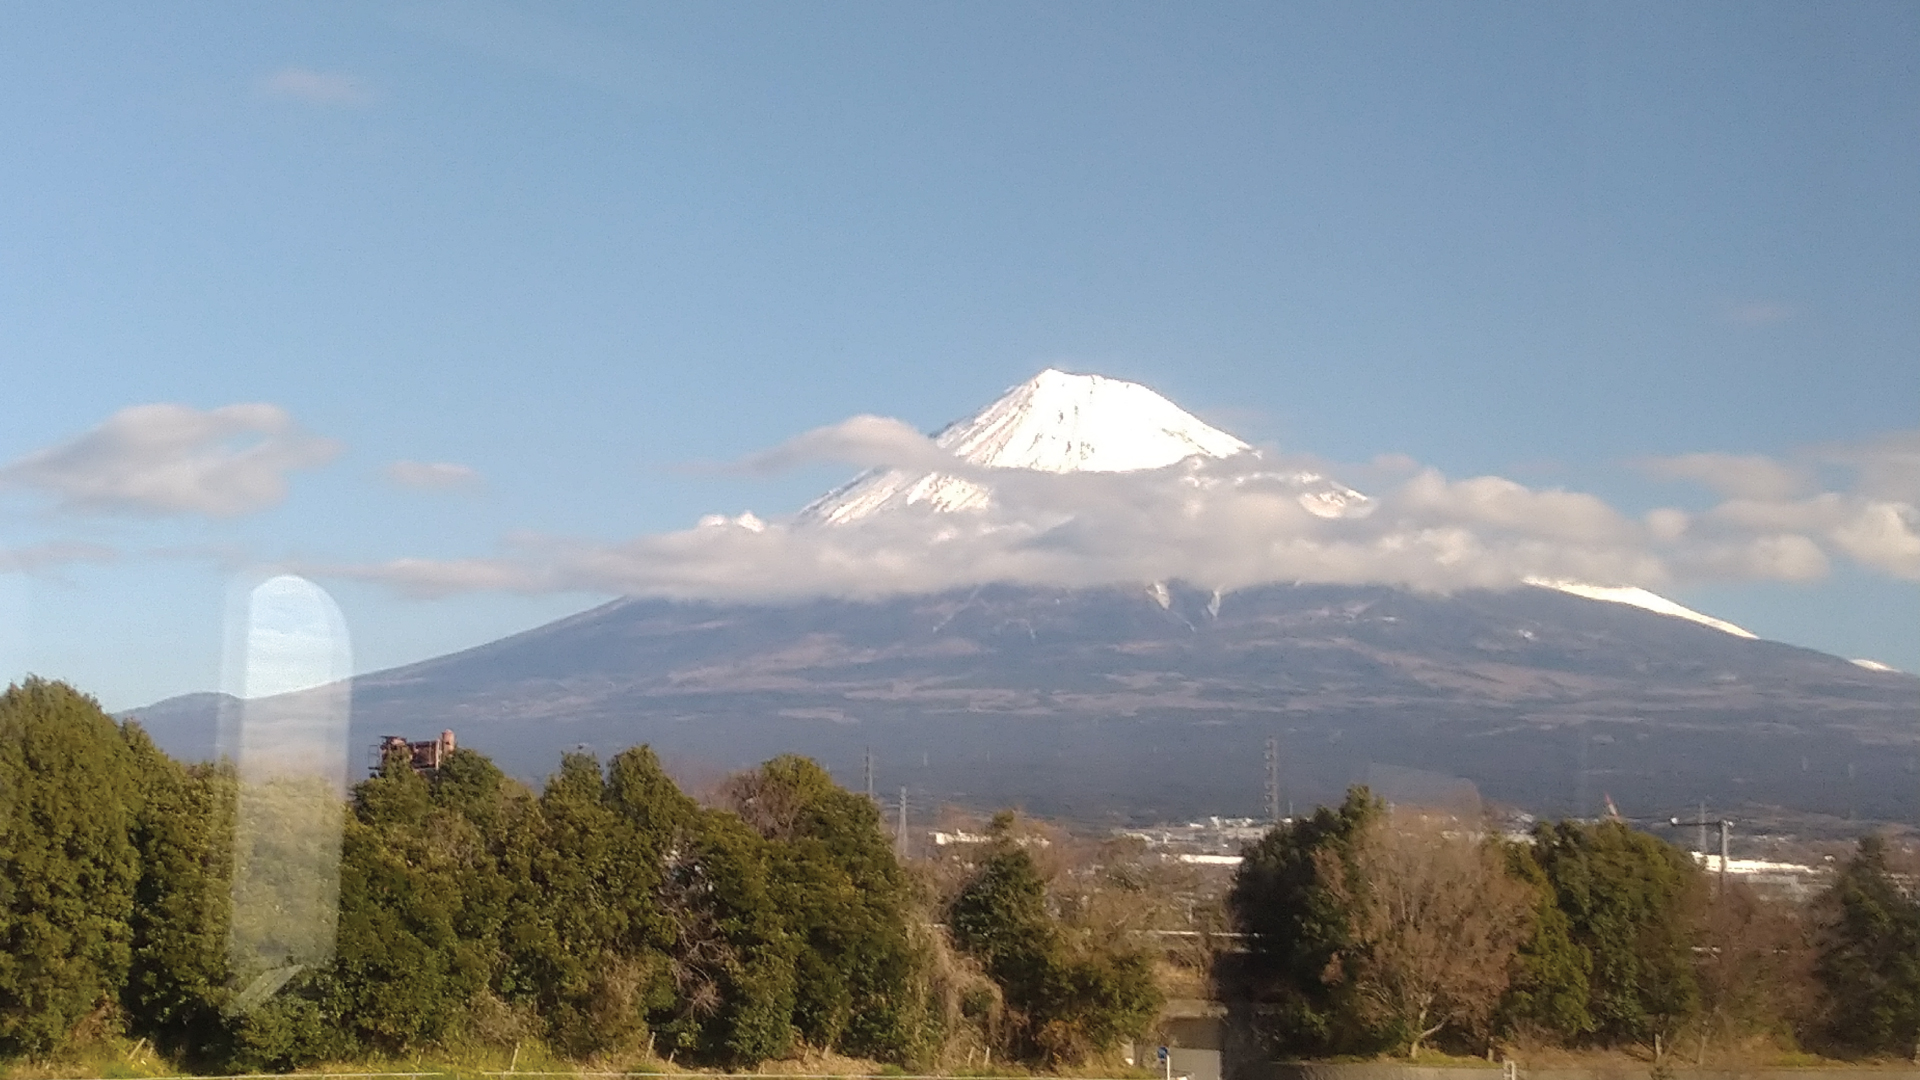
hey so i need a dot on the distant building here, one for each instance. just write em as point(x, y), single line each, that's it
point(1790, 880)
point(426, 756)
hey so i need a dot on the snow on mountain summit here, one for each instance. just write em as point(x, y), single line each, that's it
point(1060, 422)
point(1054, 422)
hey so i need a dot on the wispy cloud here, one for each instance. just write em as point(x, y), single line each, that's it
point(1886, 466)
point(318, 87)
point(174, 459)
point(1751, 476)
point(432, 475)
point(869, 442)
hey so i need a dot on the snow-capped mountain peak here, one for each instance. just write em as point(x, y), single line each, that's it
point(1061, 422)
point(1056, 422)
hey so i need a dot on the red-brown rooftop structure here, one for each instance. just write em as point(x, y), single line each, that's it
point(426, 756)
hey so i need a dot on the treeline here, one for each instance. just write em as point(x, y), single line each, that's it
point(606, 914)
point(1383, 932)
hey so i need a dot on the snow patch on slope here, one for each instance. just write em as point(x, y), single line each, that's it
point(1641, 598)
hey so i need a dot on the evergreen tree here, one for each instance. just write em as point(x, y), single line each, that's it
point(580, 913)
point(69, 797)
point(184, 834)
point(1630, 900)
point(480, 809)
point(1062, 1003)
point(843, 898)
point(1869, 959)
point(1000, 918)
point(731, 958)
point(1548, 995)
point(1283, 895)
point(406, 973)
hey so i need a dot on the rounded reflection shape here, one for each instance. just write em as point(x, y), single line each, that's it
point(289, 660)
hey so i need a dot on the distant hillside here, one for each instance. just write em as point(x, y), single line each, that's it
point(1147, 704)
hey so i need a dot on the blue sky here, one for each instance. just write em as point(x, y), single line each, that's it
point(579, 254)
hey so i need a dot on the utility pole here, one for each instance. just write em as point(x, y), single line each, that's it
point(869, 767)
point(1725, 827)
point(900, 838)
point(1273, 780)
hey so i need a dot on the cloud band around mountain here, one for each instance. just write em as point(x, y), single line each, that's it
point(1226, 524)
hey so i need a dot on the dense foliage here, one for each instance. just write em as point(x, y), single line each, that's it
point(1869, 957)
point(1063, 1000)
point(607, 913)
point(1372, 930)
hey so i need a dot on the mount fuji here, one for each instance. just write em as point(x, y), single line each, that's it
point(1060, 422)
point(1154, 699)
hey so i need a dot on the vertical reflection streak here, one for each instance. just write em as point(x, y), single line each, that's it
point(289, 662)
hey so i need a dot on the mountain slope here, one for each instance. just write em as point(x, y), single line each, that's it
point(1154, 700)
point(1060, 422)
point(1106, 703)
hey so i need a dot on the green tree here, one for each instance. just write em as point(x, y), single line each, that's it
point(69, 797)
point(731, 959)
point(1000, 919)
point(1063, 1003)
point(1548, 994)
point(406, 973)
point(1631, 902)
point(581, 913)
point(178, 980)
point(1284, 896)
point(1869, 957)
point(845, 901)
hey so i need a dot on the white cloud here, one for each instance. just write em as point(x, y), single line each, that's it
point(1667, 524)
point(173, 459)
point(1504, 504)
point(1222, 523)
point(431, 475)
point(1736, 475)
point(1773, 523)
point(318, 87)
point(1884, 536)
point(1887, 467)
point(1773, 557)
point(864, 441)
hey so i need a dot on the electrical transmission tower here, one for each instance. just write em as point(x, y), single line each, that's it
point(900, 838)
point(1273, 780)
